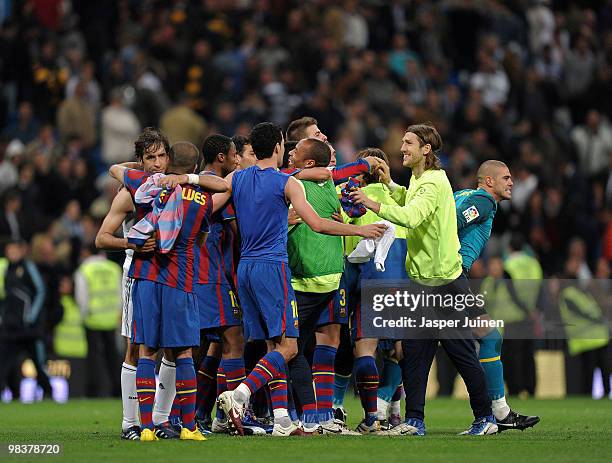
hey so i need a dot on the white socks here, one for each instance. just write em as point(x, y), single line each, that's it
point(242, 394)
point(500, 408)
point(382, 406)
point(129, 397)
point(165, 392)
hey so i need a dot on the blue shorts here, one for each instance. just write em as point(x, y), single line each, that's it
point(336, 311)
point(395, 269)
point(217, 305)
point(268, 302)
point(164, 316)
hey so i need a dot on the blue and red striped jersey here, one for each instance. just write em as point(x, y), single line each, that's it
point(132, 179)
point(341, 174)
point(177, 267)
point(217, 254)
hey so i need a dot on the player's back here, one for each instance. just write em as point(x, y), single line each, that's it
point(175, 268)
point(261, 212)
point(216, 260)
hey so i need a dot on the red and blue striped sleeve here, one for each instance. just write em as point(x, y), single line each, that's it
point(341, 174)
point(132, 179)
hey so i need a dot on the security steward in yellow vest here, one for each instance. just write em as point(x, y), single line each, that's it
point(588, 335)
point(98, 295)
point(523, 275)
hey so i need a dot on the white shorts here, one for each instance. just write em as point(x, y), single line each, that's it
point(127, 313)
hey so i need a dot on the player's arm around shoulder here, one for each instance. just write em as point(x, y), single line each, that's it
point(117, 171)
point(294, 193)
point(121, 206)
point(221, 198)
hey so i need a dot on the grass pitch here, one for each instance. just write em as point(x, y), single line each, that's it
point(571, 430)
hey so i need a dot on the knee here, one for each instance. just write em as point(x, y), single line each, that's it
point(131, 354)
point(288, 350)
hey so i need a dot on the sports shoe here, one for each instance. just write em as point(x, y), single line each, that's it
point(482, 427)
point(395, 420)
point(166, 430)
point(252, 426)
point(340, 414)
point(364, 428)
point(411, 427)
point(219, 426)
point(131, 433)
point(292, 430)
point(203, 425)
point(196, 435)
point(339, 428)
point(147, 435)
point(516, 421)
point(232, 410)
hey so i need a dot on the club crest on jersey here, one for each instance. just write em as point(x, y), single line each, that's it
point(471, 213)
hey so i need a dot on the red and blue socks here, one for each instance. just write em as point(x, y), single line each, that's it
point(366, 376)
point(234, 372)
point(323, 376)
point(186, 387)
point(145, 388)
point(271, 366)
point(230, 374)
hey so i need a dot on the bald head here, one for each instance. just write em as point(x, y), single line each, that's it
point(310, 152)
point(184, 157)
point(494, 177)
point(489, 168)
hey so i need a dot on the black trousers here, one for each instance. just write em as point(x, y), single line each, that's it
point(461, 349)
point(310, 307)
point(11, 352)
point(519, 366)
point(579, 370)
point(102, 363)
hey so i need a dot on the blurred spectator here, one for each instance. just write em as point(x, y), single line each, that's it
point(120, 127)
point(25, 127)
point(13, 222)
point(22, 319)
point(181, 123)
point(76, 117)
point(86, 77)
point(8, 165)
point(593, 142)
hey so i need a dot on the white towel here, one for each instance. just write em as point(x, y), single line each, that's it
point(374, 247)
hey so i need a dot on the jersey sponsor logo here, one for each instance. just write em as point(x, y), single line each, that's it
point(471, 213)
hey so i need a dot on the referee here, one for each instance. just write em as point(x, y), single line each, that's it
point(427, 210)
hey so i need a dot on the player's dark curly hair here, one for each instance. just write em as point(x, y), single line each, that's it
point(264, 137)
point(149, 140)
point(213, 145)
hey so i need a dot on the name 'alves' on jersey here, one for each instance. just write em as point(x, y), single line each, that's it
point(475, 212)
point(175, 268)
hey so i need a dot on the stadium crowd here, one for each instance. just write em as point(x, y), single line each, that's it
point(524, 82)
